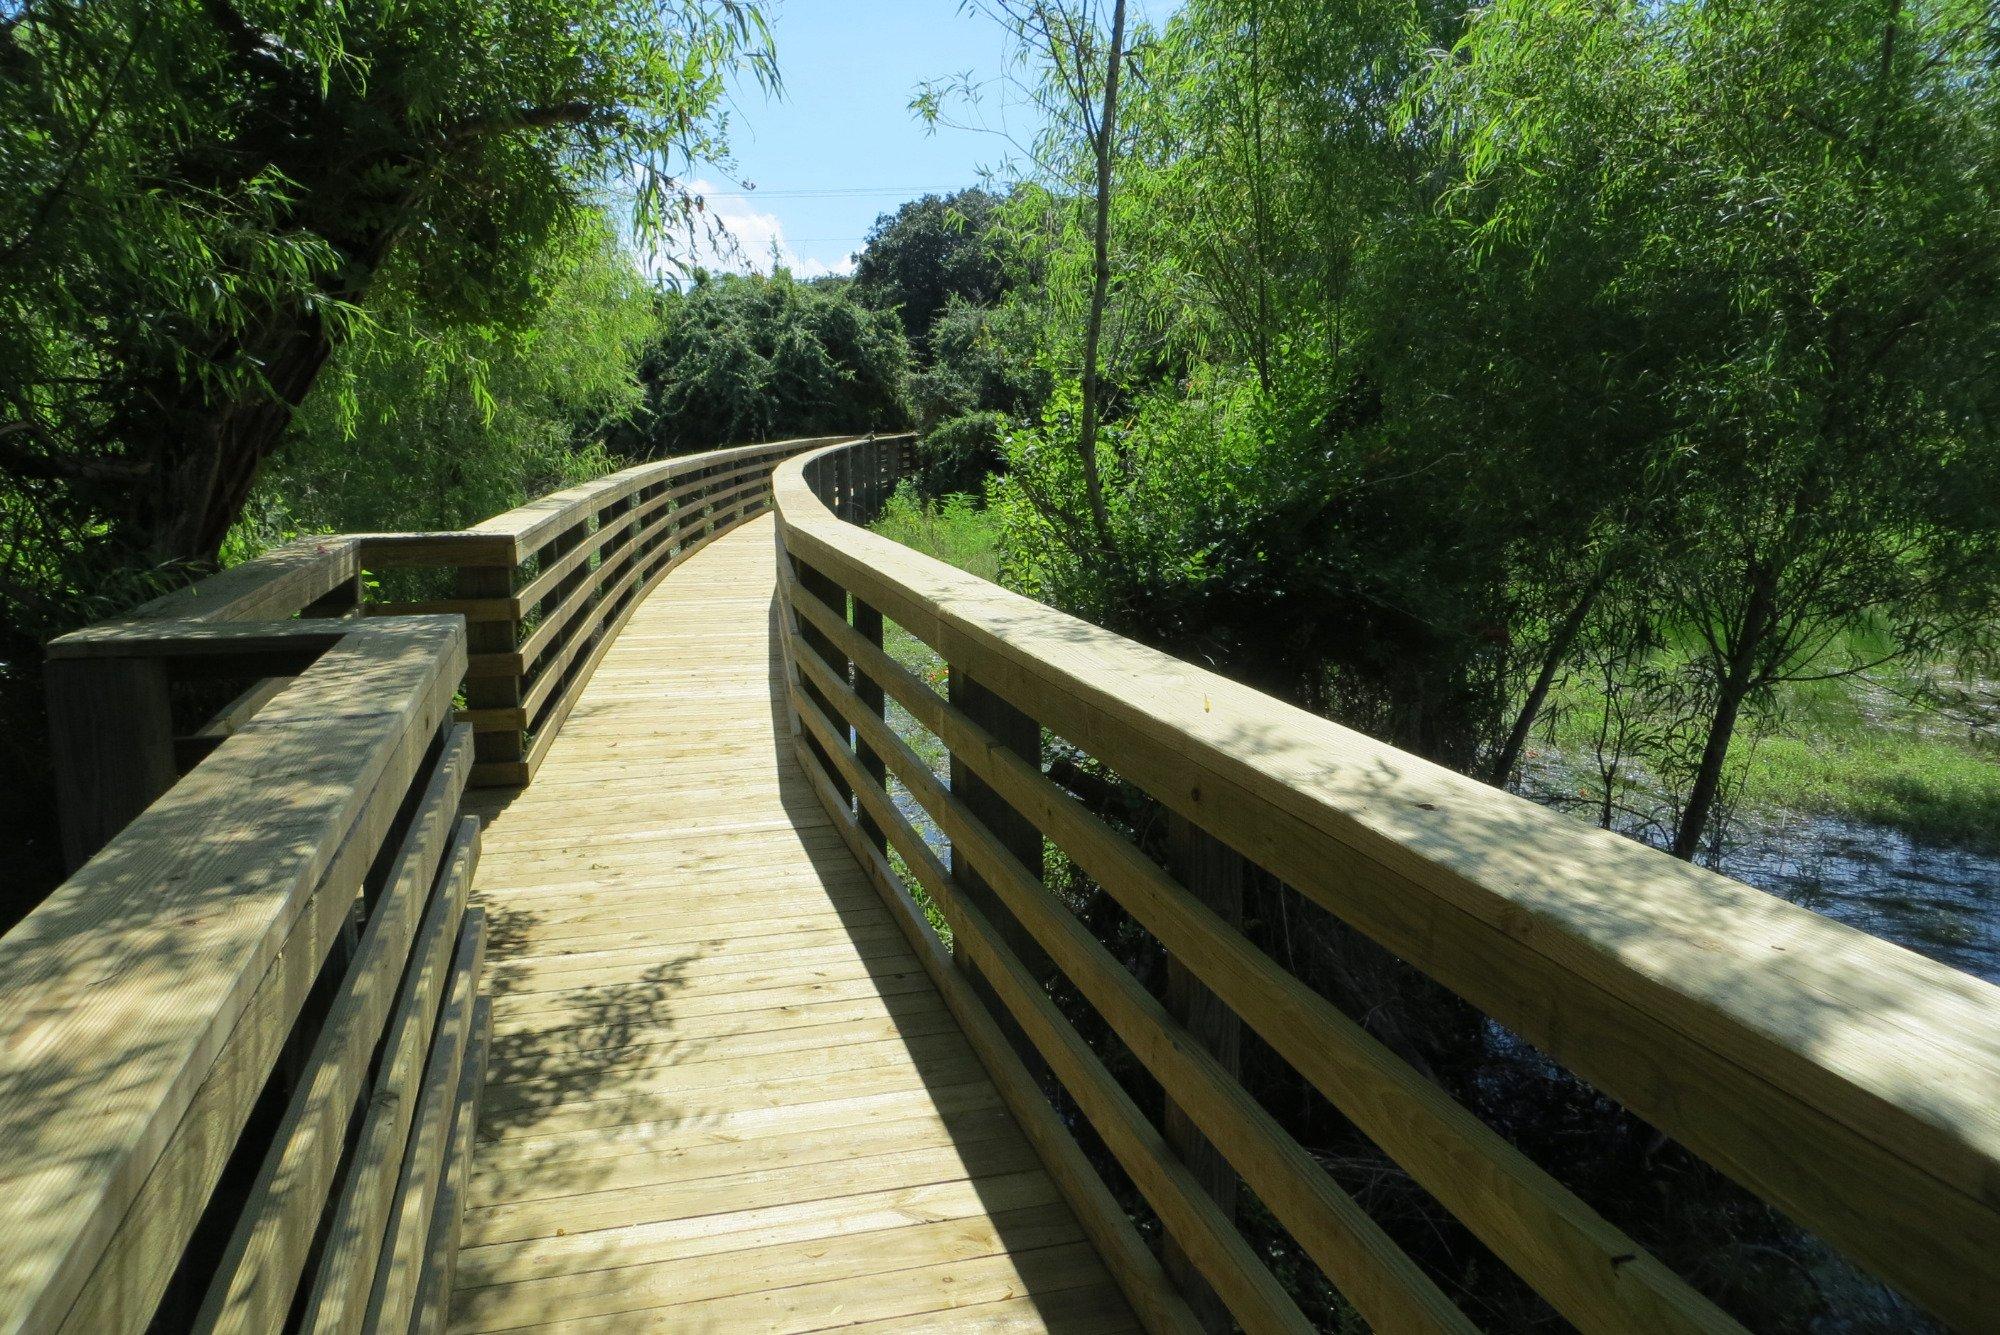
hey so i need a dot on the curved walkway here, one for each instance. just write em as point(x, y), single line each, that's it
point(723, 1093)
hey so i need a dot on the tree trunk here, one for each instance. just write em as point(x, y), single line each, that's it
point(1737, 683)
point(1538, 694)
point(1708, 776)
point(1100, 288)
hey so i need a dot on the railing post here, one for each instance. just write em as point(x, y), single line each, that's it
point(342, 600)
point(835, 597)
point(868, 624)
point(111, 735)
point(1213, 872)
point(1023, 736)
point(497, 746)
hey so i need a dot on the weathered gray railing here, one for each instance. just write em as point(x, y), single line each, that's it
point(1850, 1082)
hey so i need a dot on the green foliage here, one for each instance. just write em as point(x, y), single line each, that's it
point(199, 197)
point(420, 427)
point(955, 529)
point(981, 359)
point(745, 358)
point(960, 454)
point(928, 253)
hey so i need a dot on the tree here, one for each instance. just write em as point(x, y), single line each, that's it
point(739, 358)
point(928, 253)
point(1802, 202)
point(197, 198)
point(416, 427)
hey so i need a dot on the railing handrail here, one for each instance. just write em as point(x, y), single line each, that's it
point(119, 991)
point(531, 524)
point(275, 584)
point(1848, 1080)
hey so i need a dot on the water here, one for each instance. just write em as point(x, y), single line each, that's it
point(1940, 902)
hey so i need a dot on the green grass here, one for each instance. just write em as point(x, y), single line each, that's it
point(1867, 748)
point(1934, 790)
point(956, 530)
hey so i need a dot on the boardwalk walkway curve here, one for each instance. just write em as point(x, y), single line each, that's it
point(519, 928)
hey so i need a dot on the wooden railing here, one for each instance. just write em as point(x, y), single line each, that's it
point(274, 956)
point(136, 702)
point(1849, 1082)
point(241, 1047)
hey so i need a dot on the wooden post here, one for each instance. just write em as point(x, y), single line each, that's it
point(868, 623)
point(835, 597)
point(1214, 873)
point(111, 732)
point(342, 600)
point(492, 745)
point(1023, 736)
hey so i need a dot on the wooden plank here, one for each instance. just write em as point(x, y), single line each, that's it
point(121, 990)
point(527, 1176)
point(1587, 1269)
point(433, 1305)
point(610, 1250)
point(1852, 1083)
point(265, 1255)
point(734, 1274)
point(934, 1291)
point(870, 1097)
point(337, 1300)
point(616, 1206)
point(392, 1298)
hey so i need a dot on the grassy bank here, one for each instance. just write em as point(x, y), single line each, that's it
point(1902, 746)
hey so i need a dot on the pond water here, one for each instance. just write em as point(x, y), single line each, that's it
point(1938, 901)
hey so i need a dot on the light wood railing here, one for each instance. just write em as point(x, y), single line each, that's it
point(1853, 1084)
point(241, 1047)
point(136, 702)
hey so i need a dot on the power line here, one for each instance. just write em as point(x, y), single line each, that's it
point(900, 191)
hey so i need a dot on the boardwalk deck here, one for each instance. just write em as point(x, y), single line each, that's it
point(723, 1093)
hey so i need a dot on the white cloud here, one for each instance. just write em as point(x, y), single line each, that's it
point(752, 241)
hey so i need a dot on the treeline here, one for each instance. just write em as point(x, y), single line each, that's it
point(1410, 361)
point(1441, 369)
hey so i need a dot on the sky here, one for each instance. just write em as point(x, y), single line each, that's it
point(840, 145)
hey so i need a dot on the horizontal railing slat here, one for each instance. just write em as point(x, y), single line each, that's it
point(120, 991)
point(1374, 1273)
point(1589, 1271)
point(1850, 1082)
point(393, 1297)
point(1103, 1219)
point(337, 1300)
point(261, 1264)
point(1225, 1260)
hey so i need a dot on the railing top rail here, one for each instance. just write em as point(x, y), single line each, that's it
point(117, 992)
point(276, 584)
point(533, 524)
point(1739, 1022)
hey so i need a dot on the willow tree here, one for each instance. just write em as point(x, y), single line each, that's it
point(196, 197)
point(1797, 203)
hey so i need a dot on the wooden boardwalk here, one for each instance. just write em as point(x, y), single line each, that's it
point(723, 1094)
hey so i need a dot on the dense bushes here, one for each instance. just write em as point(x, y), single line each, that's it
point(742, 358)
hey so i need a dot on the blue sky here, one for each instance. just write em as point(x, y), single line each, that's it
point(840, 145)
